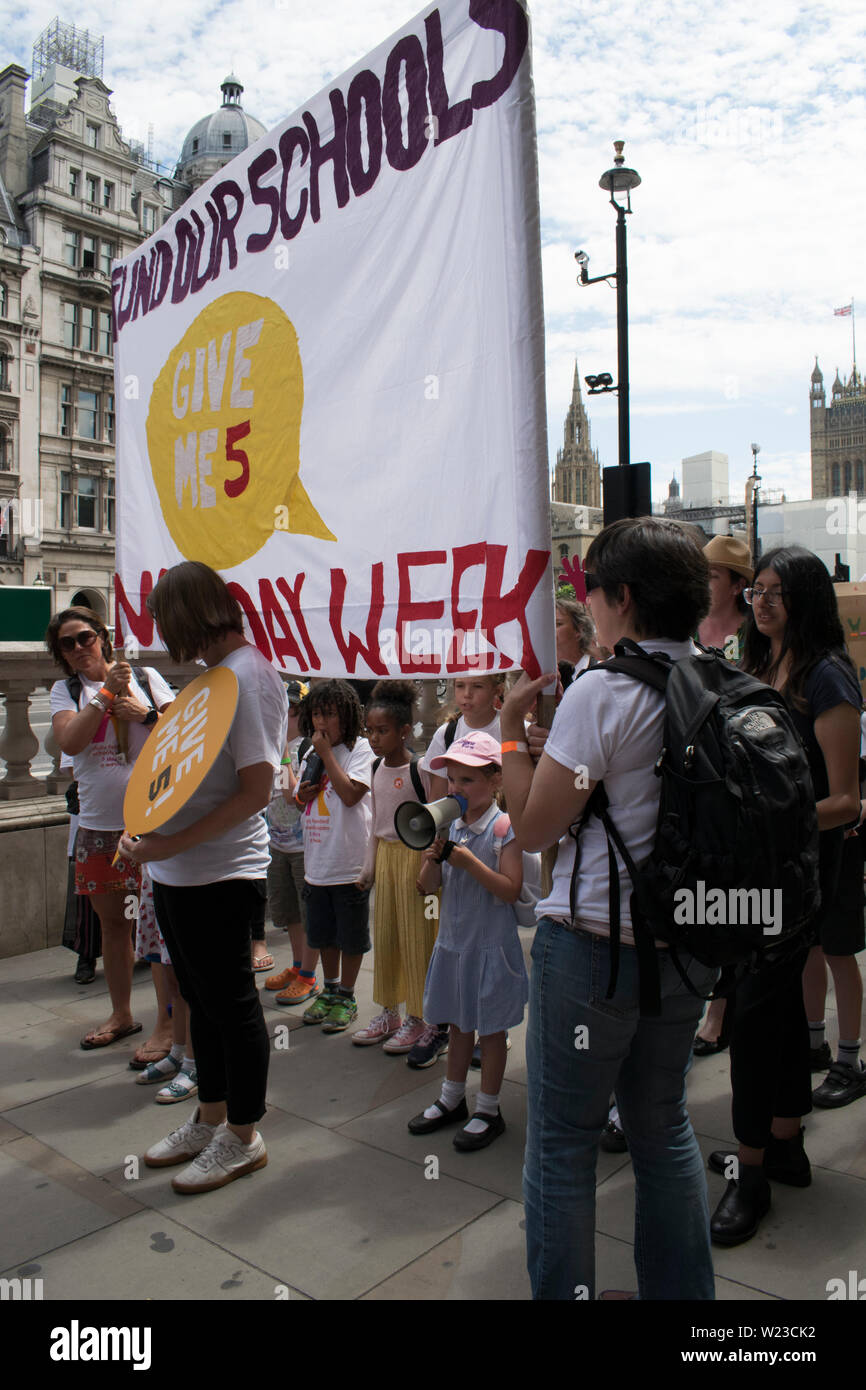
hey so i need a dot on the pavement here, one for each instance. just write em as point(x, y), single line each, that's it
point(403, 1218)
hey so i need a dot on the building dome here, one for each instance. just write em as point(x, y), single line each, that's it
point(216, 139)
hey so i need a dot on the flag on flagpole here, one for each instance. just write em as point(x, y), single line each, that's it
point(841, 313)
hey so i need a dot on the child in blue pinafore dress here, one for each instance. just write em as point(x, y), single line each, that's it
point(476, 978)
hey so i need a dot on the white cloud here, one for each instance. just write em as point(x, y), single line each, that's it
point(744, 121)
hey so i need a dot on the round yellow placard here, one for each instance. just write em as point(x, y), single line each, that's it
point(181, 751)
point(223, 433)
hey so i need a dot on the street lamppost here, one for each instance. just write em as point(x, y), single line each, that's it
point(755, 481)
point(629, 493)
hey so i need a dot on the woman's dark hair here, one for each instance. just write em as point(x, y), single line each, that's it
point(193, 608)
point(580, 621)
point(86, 615)
point(332, 697)
point(664, 568)
point(396, 698)
point(813, 629)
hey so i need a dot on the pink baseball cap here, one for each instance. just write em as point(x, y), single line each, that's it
point(474, 749)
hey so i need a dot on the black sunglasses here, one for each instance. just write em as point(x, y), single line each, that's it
point(85, 638)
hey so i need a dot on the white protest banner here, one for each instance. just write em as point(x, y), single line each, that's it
point(329, 370)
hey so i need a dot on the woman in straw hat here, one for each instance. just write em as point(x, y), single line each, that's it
point(730, 571)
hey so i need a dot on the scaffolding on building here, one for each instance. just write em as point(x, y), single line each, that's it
point(69, 46)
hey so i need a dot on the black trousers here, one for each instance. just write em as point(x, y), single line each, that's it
point(207, 932)
point(770, 1050)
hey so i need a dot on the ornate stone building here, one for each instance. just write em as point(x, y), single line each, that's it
point(838, 433)
point(74, 197)
point(577, 478)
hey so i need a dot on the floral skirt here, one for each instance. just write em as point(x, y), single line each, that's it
point(94, 870)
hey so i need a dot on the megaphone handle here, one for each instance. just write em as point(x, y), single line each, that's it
point(446, 850)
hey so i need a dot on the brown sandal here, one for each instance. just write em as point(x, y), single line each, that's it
point(107, 1036)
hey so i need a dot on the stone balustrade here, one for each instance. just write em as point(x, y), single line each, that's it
point(33, 816)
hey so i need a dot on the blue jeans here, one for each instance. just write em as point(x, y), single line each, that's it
point(580, 1048)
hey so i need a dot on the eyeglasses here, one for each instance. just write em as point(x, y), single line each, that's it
point(85, 638)
point(770, 596)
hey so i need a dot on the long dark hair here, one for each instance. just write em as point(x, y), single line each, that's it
point(813, 629)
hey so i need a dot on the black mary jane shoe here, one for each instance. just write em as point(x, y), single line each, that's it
point(745, 1202)
point(703, 1048)
point(421, 1124)
point(467, 1143)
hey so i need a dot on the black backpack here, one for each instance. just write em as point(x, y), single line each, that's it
point(413, 773)
point(737, 819)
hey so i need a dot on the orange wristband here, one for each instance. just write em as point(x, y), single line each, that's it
point(514, 747)
point(107, 693)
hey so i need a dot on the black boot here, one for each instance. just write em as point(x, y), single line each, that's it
point(785, 1161)
point(86, 972)
point(738, 1215)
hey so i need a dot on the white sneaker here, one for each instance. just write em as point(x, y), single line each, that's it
point(224, 1159)
point(183, 1143)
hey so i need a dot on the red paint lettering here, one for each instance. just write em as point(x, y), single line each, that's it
point(498, 608)
point(351, 646)
point(235, 486)
point(407, 611)
point(259, 636)
point(466, 557)
point(284, 645)
point(292, 595)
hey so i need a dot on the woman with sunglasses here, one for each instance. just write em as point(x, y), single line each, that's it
point(103, 730)
point(795, 642)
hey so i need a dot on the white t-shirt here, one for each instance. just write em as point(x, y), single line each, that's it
point(336, 835)
point(257, 735)
point(612, 725)
point(98, 769)
point(437, 743)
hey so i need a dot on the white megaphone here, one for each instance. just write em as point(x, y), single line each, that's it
point(418, 825)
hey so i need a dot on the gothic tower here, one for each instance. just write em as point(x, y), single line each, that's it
point(578, 474)
point(837, 435)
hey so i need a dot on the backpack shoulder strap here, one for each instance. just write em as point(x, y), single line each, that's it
point(450, 731)
point(73, 685)
point(417, 782)
point(141, 676)
point(376, 762)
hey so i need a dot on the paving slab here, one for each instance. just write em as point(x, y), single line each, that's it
point(45, 1202)
point(48, 1060)
point(324, 1078)
point(485, 1260)
point(150, 1257)
point(328, 1217)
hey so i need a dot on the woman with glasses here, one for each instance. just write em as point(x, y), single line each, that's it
point(646, 579)
point(103, 727)
point(794, 642)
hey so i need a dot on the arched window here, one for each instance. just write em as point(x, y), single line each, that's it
point(4, 300)
point(847, 476)
point(5, 450)
point(5, 367)
point(858, 473)
point(834, 480)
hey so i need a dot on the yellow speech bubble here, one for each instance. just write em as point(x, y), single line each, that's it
point(180, 751)
point(223, 433)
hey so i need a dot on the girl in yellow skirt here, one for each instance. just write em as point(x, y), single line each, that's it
point(404, 926)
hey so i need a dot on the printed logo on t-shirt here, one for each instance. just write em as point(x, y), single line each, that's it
point(398, 782)
point(320, 804)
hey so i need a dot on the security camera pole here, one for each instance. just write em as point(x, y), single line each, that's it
point(626, 493)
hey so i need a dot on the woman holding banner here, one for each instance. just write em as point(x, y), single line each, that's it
point(101, 717)
point(646, 580)
point(209, 867)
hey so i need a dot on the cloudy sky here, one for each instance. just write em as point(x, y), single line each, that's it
point(745, 123)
